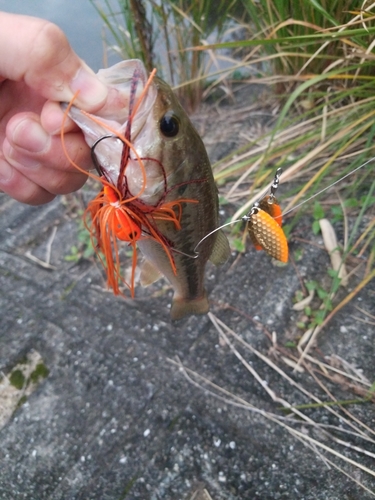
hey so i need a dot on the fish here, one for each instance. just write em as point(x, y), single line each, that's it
point(164, 182)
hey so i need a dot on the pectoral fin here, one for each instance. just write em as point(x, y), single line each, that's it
point(221, 250)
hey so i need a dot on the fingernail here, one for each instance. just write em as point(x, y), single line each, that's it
point(6, 171)
point(91, 91)
point(31, 136)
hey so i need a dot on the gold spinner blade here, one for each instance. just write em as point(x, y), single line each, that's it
point(267, 233)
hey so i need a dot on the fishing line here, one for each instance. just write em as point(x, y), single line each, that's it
point(247, 217)
point(331, 185)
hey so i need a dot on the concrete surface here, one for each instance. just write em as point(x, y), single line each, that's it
point(114, 419)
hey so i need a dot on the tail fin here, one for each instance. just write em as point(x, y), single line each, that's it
point(182, 307)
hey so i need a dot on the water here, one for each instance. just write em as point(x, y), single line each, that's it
point(79, 20)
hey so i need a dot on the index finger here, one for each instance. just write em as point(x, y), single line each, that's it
point(37, 52)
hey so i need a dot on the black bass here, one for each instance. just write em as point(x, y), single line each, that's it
point(165, 169)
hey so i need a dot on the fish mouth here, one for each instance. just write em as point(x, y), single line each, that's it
point(126, 83)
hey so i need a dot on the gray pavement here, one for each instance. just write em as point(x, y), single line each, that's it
point(115, 419)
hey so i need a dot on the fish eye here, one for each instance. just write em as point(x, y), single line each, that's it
point(169, 125)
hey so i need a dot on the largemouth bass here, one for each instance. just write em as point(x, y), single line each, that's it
point(175, 167)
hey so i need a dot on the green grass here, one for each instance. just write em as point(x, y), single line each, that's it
point(159, 33)
point(317, 56)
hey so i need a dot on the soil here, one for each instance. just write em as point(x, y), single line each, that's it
point(112, 416)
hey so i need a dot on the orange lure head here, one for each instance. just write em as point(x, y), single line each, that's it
point(125, 227)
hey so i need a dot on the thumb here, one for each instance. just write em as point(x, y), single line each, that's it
point(37, 52)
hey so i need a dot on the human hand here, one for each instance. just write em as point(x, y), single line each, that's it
point(38, 69)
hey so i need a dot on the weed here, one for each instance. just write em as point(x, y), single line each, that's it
point(159, 33)
point(17, 379)
point(84, 250)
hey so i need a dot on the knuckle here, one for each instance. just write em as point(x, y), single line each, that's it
point(66, 183)
point(27, 192)
point(49, 41)
point(76, 153)
point(38, 197)
point(49, 50)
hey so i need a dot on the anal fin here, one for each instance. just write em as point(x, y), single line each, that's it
point(149, 273)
